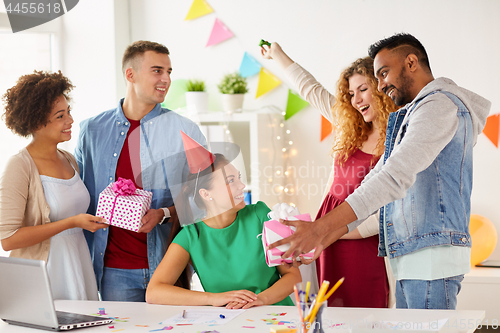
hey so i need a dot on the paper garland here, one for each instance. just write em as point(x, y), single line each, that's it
point(219, 33)
point(267, 82)
point(198, 8)
point(294, 104)
point(249, 66)
point(326, 128)
point(491, 129)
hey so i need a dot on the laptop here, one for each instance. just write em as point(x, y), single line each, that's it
point(26, 298)
point(489, 263)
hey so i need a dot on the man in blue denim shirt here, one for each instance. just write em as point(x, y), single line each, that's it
point(422, 185)
point(141, 141)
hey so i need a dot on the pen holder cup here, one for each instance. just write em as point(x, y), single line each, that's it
point(316, 325)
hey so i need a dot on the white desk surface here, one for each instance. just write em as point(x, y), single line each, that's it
point(481, 291)
point(483, 275)
point(152, 315)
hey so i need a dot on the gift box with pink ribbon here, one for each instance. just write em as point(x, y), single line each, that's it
point(274, 230)
point(123, 205)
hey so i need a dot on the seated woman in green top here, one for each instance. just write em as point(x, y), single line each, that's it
point(223, 248)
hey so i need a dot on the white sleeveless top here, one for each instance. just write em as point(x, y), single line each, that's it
point(69, 264)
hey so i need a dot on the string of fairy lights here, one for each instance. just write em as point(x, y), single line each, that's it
point(288, 150)
point(285, 192)
point(281, 179)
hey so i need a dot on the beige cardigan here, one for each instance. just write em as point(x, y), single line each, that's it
point(22, 202)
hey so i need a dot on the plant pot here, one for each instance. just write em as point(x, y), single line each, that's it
point(197, 101)
point(232, 102)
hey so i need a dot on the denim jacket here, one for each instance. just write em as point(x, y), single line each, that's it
point(436, 209)
point(162, 161)
point(424, 180)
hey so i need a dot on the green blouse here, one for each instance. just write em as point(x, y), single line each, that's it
point(231, 258)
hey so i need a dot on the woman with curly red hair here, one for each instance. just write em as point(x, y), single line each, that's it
point(42, 198)
point(359, 114)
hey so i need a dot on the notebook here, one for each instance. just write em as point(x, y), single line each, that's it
point(26, 298)
point(489, 263)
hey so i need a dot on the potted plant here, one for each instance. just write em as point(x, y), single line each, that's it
point(196, 96)
point(233, 87)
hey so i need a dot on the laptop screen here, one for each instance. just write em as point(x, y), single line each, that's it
point(25, 294)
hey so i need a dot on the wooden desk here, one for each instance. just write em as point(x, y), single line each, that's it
point(152, 315)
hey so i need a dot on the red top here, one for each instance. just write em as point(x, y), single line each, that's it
point(128, 249)
point(365, 284)
point(348, 176)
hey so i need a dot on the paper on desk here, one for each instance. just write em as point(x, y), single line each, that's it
point(206, 316)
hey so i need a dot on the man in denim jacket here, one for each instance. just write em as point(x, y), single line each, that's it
point(141, 141)
point(423, 182)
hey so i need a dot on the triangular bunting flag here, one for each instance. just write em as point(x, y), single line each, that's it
point(219, 33)
point(491, 128)
point(198, 8)
point(326, 128)
point(267, 82)
point(249, 66)
point(176, 95)
point(294, 104)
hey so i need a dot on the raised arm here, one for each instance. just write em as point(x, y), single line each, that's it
point(302, 81)
point(161, 289)
point(276, 52)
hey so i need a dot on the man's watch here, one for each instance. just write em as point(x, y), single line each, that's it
point(165, 219)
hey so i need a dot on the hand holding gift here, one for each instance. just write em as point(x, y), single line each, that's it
point(151, 219)
point(274, 230)
point(123, 205)
point(89, 222)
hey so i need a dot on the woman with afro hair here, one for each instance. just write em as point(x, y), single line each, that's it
point(359, 114)
point(42, 198)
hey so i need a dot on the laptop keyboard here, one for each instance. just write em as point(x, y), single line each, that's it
point(66, 318)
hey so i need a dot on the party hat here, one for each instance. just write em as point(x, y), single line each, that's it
point(185, 188)
point(197, 156)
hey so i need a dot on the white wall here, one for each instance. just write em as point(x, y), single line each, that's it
point(461, 37)
point(85, 43)
point(88, 59)
point(326, 36)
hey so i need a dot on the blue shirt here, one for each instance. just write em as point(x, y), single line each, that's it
point(163, 161)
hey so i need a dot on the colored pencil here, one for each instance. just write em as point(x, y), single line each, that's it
point(321, 293)
point(339, 282)
point(308, 287)
point(310, 308)
point(298, 306)
point(322, 299)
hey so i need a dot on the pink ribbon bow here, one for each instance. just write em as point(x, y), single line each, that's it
point(124, 186)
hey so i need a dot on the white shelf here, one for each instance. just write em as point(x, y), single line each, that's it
point(255, 133)
point(481, 291)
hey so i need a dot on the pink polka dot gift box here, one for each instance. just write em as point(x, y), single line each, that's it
point(274, 231)
point(123, 205)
